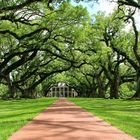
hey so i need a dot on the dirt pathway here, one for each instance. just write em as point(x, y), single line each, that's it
point(66, 121)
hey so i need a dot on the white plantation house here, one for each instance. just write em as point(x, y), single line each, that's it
point(62, 90)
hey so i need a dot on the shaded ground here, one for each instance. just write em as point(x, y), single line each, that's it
point(66, 121)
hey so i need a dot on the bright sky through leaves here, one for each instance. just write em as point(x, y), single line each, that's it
point(107, 7)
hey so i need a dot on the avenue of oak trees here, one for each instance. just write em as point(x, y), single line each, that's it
point(44, 42)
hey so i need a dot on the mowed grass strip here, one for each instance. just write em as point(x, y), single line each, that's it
point(16, 113)
point(124, 114)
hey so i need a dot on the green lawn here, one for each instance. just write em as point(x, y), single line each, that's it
point(16, 113)
point(124, 114)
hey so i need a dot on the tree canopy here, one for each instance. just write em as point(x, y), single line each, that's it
point(44, 42)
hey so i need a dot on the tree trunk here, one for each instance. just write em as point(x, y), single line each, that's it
point(137, 94)
point(111, 89)
point(46, 91)
point(101, 93)
point(114, 87)
point(12, 91)
point(11, 87)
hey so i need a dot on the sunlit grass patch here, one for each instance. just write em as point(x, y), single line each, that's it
point(16, 113)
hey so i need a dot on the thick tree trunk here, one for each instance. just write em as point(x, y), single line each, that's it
point(137, 94)
point(101, 92)
point(12, 91)
point(111, 89)
point(114, 87)
point(11, 88)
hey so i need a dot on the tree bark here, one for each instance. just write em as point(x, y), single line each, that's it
point(11, 87)
point(114, 87)
point(137, 94)
point(101, 92)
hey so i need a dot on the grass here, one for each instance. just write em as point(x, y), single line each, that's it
point(16, 113)
point(124, 114)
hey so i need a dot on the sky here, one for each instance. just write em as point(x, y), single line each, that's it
point(102, 5)
point(93, 7)
point(107, 7)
